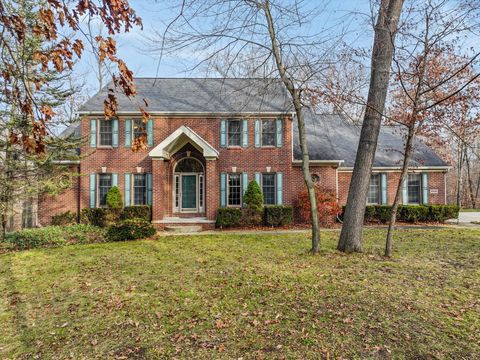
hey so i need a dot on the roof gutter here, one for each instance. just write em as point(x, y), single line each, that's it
point(320, 162)
point(188, 113)
point(65, 162)
point(399, 168)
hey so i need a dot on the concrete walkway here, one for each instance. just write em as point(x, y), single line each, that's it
point(466, 219)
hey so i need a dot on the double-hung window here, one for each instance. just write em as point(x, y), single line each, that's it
point(139, 189)
point(414, 188)
point(269, 130)
point(234, 132)
point(374, 189)
point(269, 189)
point(105, 133)
point(139, 129)
point(234, 190)
point(104, 184)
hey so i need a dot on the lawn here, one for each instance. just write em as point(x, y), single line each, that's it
point(255, 296)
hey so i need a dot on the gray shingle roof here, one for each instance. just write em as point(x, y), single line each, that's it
point(331, 137)
point(199, 95)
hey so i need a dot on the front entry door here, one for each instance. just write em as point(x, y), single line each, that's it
point(189, 192)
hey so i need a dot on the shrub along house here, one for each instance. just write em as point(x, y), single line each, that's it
point(208, 138)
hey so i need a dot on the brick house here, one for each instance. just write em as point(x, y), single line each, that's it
point(207, 138)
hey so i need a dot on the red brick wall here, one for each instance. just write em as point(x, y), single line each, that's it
point(435, 180)
point(52, 205)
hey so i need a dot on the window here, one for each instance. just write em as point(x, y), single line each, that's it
point(234, 131)
point(189, 165)
point(104, 184)
point(268, 189)
point(105, 133)
point(374, 189)
point(414, 182)
point(234, 190)
point(139, 129)
point(139, 189)
point(269, 129)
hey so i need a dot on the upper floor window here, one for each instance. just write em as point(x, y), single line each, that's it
point(374, 189)
point(234, 132)
point(234, 190)
point(414, 184)
point(105, 133)
point(139, 189)
point(269, 189)
point(139, 129)
point(269, 131)
point(104, 184)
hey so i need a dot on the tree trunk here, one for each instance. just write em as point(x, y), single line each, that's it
point(470, 180)
point(459, 176)
point(3, 220)
point(383, 46)
point(406, 161)
point(297, 103)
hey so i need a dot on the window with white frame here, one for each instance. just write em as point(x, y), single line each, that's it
point(104, 184)
point(414, 188)
point(139, 189)
point(269, 188)
point(269, 132)
point(234, 132)
point(105, 133)
point(234, 190)
point(374, 192)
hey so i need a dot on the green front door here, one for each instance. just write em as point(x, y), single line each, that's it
point(189, 192)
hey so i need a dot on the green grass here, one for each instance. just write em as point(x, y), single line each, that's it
point(252, 296)
point(469, 210)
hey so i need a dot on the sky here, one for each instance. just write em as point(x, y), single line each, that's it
point(134, 47)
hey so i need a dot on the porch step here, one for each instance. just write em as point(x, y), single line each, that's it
point(183, 228)
point(178, 220)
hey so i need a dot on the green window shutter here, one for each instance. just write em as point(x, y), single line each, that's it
point(93, 190)
point(223, 133)
point(257, 133)
point(245, 133)
point(93, 133)
point(279, 133)
point(223, 189)
point(128, 195)
point(257, 179)
point(405, 191)
point(128, 133)
point(279, 188)
point(425, 189)
point(115, 180)
point(150, 133)
point(114, 133)
point(149, 189)
point(244, 181)
point(383, 186)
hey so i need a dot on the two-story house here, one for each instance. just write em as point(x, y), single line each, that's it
point(208, 138)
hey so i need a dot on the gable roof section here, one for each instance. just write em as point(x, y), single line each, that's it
point(198, 96)
point(178, 139)
point(331, 137)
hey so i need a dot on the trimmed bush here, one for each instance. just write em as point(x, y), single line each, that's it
point(136, 212)
point(370, 211)
point(413, 213)
point(383, 213)
point(114, 198)
point(441, 213)
point(253, 197)
point(94, 216)
point(251, 217)
point(51, 236)
point(228, 217)
point(65, 218)
point(130, 229)
point(278, 215)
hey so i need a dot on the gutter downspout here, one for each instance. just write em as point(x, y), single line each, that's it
point(78, 194)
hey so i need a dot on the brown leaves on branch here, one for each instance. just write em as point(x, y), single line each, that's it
point(22, 77)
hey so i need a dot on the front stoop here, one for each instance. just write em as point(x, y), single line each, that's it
point(182, 229)
point(184, 225)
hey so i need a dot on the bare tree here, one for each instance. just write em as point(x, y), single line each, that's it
point(430, 75)
point(383, 47)
point(276, 34)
